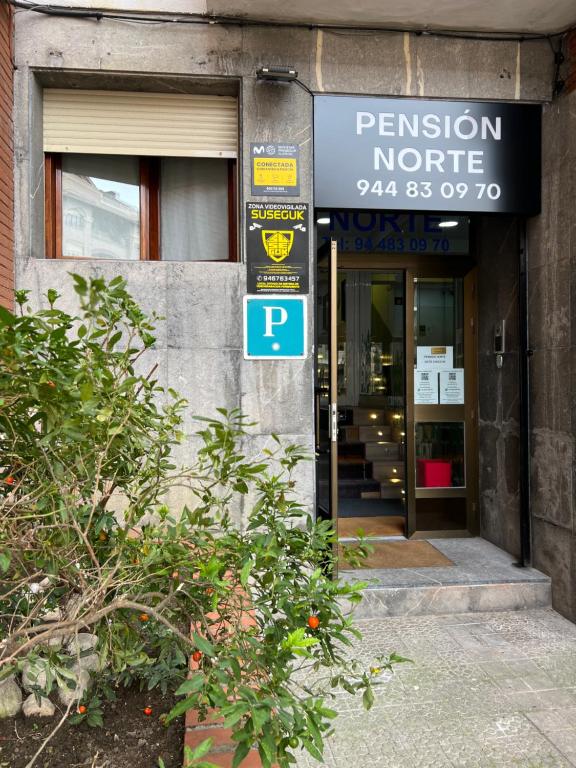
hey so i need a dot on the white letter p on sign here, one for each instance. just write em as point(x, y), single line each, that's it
point(270, 320)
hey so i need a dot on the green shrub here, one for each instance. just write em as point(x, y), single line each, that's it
point(86, 441)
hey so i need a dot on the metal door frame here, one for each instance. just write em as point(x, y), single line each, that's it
point(413, 266)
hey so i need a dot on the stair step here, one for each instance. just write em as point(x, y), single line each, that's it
point(351, 488)
point(381, 602)
point(384, 470)
point(369, 416)
point(354, 467)
point(374, 434)
point(383, 450)
point(346, 449)
point(350, 434)
point(392, 491)
point(482, 578)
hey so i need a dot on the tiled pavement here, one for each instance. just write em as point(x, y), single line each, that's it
point(486, 690)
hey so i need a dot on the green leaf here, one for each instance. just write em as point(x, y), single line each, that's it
point(181, 707)
point(5, 558)
point(268, 746)
point(245, 572)
point(260, 716)
point(6, 317)
point(202, 749)
point(240, 753)
point(235, 713)
point(203, 645)
point(86, 391)
point(80, 284)
point(192, 685)
point(94, 720)
point(368, 698)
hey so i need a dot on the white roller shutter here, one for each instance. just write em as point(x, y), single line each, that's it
point(134, 123)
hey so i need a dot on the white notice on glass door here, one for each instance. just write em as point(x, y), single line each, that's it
point(434, 358)
point(452, 387)
point(425, 387)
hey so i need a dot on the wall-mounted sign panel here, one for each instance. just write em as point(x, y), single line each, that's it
point(392, 232)
point(277, 254)
point(434, 358)
point(452, 387)
point(417, 154)
point(425, 387)
point(274, 327)
point(275, 169)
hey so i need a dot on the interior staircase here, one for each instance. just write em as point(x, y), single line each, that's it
point(370, 461)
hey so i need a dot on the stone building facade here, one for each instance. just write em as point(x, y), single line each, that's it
point(200, 345)
point(6, 158)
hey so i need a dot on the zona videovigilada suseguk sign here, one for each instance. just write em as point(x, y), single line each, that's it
point(433, 155)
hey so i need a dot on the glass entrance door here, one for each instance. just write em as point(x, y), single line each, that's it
point(395, 397)
point(361, 377)
point(441, 429)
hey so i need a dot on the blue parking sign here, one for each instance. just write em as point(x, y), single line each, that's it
point(274, 327)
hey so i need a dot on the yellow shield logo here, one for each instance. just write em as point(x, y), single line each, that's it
point(277, 243)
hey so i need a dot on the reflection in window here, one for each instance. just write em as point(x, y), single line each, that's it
point(439, 315)
point(100, 207)
point(440, 454)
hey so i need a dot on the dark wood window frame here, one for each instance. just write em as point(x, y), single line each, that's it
point(149, 209)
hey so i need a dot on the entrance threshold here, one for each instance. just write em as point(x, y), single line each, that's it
point(482, 577)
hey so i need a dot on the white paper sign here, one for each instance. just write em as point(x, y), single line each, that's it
point(434, 358)
point(425, 387)
point(452, 387)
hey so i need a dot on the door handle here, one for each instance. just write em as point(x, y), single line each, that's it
point(333, 422)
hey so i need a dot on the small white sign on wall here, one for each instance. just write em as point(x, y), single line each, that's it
point(425, 387)
point(434, 358)
point(452, 387)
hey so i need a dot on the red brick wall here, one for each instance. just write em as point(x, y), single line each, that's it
point(571, 56)
point(6, 159)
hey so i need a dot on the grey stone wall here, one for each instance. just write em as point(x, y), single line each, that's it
point(552, 297)
point(497, 244)
point(200, 346)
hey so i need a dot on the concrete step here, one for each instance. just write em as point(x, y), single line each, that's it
point(483, 578)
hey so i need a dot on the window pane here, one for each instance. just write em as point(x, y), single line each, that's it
point(440, 454)
point(194, 209)
point(100, 206)
point(439, 315)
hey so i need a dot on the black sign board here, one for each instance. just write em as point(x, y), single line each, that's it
point(275, 169)
point(277, 247)
point(417, 154)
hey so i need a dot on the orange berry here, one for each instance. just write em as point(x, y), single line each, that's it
point(82, 709)
point(313, 622)
point(144, 617)
point(175, 575)
point(147, 711)
point(9, 480)
point(102, 535)
point(197, 655)
point(51, 384)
